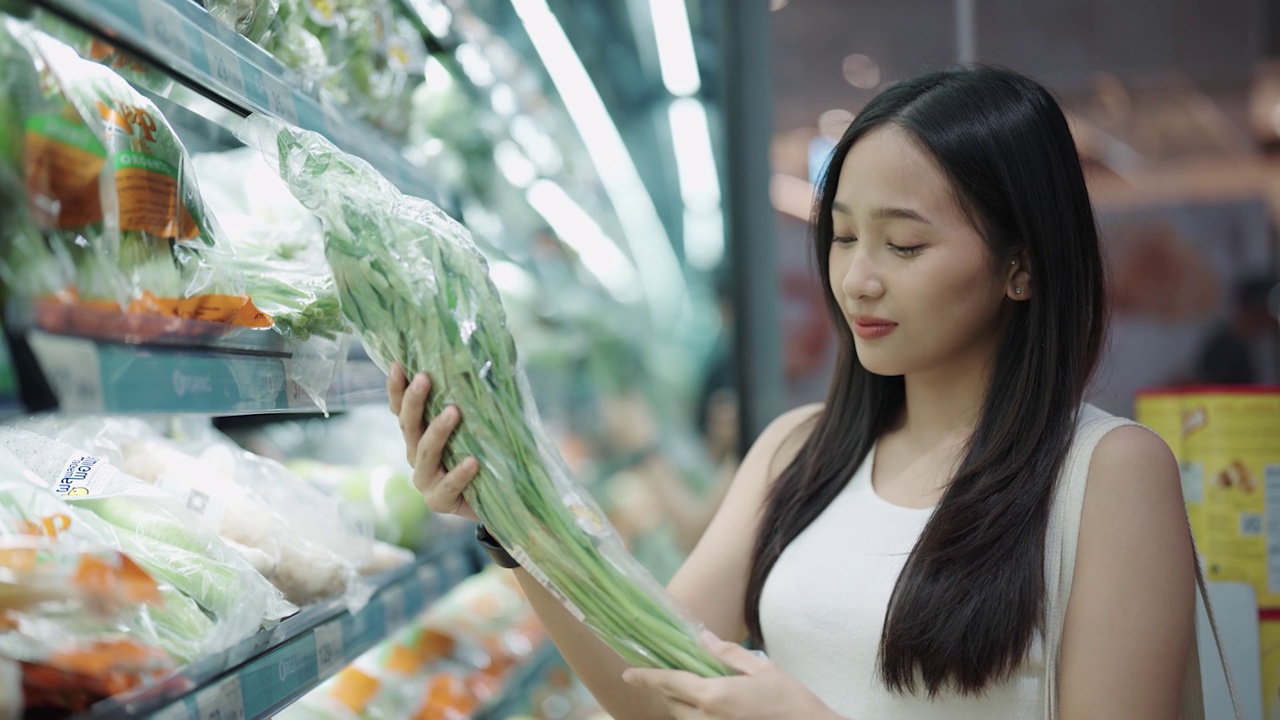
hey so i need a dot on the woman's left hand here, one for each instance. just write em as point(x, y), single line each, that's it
point(761, 692)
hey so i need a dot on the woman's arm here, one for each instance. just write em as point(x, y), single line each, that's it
point(1130, 619)
point(711, 584)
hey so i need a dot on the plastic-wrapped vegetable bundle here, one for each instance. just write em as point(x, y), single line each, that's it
point(277, 243)
point(171, 620)
point(164, 537)
point(417, 289)
point(292, 534)
point(73, 614)
point(27, 267)
point(111, 186)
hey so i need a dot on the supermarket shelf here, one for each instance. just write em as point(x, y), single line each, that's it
point(519, 687)
point(109, 363)
point(179, 37)
point(271, 670)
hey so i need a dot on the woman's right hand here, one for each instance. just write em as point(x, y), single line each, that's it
point(441, 488)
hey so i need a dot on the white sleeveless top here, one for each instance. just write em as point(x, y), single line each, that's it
point(823, 605)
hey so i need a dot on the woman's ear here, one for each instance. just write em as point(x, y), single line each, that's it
point(1018, 278)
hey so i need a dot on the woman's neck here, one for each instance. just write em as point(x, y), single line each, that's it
point(945, 403)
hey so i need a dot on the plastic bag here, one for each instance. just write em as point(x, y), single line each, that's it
point(250, 18)
point(418, 291)
point(293, 535)
point(58, 584)
point(111, 186)
point(277, 244)
point(27, 266)
point(157, 532)
point(93, 47)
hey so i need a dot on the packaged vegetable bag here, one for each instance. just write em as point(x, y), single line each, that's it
point(293, 534)
point(163, 536)
point(110, 184)
point(417, 290)
point(61, 583)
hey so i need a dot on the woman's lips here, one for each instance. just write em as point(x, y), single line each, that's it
point(870, 328)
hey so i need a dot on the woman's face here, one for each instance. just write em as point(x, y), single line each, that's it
point(914, 278)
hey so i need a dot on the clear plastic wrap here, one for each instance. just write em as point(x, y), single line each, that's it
point(61, 585)
point(277, 244)
point(109, 183)
point(418, 291)
point(250, 18)
point(293, 534)
point(160, 534)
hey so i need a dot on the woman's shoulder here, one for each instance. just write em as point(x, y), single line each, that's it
point(780, 441)
point(1126, 443)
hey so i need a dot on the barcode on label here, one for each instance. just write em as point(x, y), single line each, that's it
point(329, 649)
point(393, 607)
point(221, 702)
point(522, 557)
point(72, 368)
point(1271, 491)
point(164, 28)
point(280, 100)
point(429, 578)
point(224, 66)
point(176, 711)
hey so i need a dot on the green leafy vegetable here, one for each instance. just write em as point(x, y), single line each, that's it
point(418, 291)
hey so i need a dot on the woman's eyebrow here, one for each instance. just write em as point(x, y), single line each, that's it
point(885, 213)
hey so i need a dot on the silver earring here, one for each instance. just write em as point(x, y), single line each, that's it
point(1017, 291)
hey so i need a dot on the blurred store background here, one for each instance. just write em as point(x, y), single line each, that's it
point(638, 175)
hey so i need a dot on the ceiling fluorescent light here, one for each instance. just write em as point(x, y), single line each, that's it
point(599, 255)
point(676, 55)
point(695, 158)
point(659, 270)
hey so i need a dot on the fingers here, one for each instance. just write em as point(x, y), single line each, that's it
point(396, 384)
point(429, 449)
point(677, 685)
point(446, 495)
point(734, 656)
point(412, 407)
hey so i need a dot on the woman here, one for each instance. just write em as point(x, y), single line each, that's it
point(889, 547)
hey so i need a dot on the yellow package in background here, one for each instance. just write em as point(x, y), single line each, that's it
point(1229, 454)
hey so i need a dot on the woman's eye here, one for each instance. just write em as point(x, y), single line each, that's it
point(844, 240)
point(905, 250)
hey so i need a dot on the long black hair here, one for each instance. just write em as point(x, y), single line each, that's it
point(971, 596)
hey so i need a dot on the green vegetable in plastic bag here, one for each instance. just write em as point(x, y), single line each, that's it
point(418, 291)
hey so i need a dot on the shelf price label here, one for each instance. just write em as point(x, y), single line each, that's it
point(429, 578)
point(73, 369)
point(224, 65)
point(221, 702)
point(329, 658)
point(164, 28)
point(176, 711)
point(393, 608)
point(280, 99)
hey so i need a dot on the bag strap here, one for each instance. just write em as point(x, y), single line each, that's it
point(1196, 689)
point(1061, 541)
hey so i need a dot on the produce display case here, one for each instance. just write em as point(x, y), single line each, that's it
point(202, 76)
